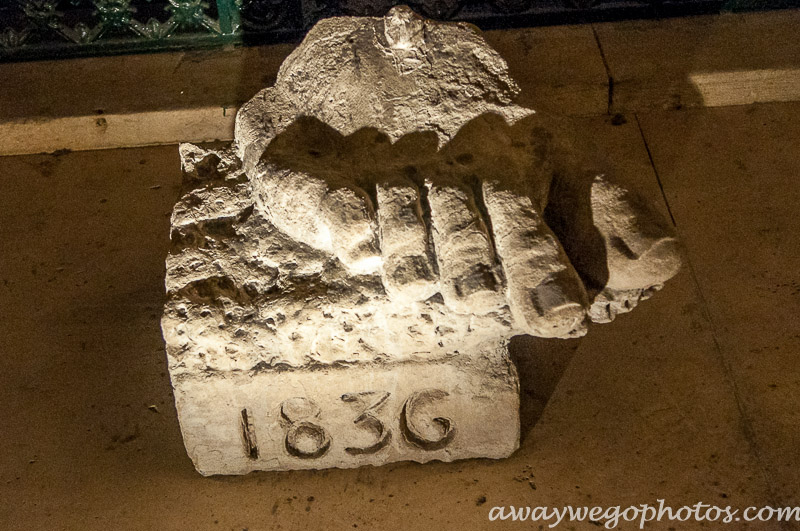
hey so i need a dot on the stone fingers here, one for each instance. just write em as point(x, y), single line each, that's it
point(437, 243)
point(470, 279)
point(336, 219)
point(409, 272)
point(349, 215)
point(621, 247)
point(304, 186)
point(545, 294)
point(642, 250)
point(492, 249)
point(291, 200)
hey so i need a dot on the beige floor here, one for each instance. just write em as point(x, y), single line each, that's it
point(691, 398)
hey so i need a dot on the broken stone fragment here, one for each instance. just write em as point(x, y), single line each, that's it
point(345, 278)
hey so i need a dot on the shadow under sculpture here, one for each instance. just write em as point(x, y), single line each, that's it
point(345, 278)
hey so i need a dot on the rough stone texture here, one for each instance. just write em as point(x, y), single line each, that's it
point(348, 273)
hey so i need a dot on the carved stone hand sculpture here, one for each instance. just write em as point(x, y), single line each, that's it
point(344, 280)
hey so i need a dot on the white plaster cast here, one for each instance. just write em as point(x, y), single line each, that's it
point(345, 278)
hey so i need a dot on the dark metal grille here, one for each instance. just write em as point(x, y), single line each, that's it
point(31, 29)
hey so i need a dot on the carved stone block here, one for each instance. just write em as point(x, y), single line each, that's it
point(344, 279)
point(347, 416)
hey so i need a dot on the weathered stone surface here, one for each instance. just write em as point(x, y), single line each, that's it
point(348, 416)
point(386, 220)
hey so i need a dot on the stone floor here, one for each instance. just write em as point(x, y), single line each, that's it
point(579, 70)
point(691, 398)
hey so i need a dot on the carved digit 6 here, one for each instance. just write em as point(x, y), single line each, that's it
point(368, 421)
point(411, 421)
point(304, 439)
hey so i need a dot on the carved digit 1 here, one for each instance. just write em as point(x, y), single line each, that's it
point(304, 439)
point(412, 423)
point(248, 435)
point(368, 421)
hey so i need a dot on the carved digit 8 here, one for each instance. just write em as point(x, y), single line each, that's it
point(410, 420)
point(304, 439)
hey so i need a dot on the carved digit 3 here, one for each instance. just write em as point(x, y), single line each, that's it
point(304, 439)
point(414, 424)
point(368, 421)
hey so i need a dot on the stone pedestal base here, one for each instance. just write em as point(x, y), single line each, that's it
point(460, 407)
